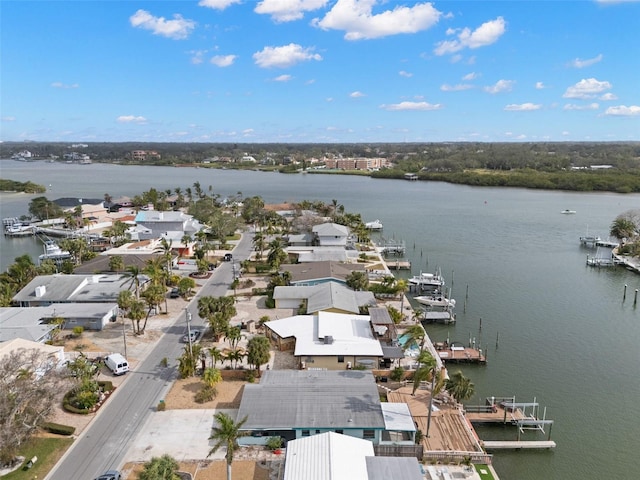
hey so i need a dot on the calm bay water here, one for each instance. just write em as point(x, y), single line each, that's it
point(566, 336)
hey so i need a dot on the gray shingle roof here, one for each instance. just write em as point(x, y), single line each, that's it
point(312, 399)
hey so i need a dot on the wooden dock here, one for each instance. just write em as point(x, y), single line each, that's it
point(453, 354)
point(517, 445)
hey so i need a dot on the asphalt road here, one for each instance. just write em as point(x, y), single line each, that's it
point(103, 445)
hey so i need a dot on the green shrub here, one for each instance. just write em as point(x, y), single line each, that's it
point(105, 385)
point(250, 376)
point(77, 331)
point(161, 406)
point(397, 374)
point(274, 443)
point(58, 428)
point(206, 394)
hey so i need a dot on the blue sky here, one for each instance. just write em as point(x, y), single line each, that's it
point(320, 71)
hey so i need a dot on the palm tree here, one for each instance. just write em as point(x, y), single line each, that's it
point(427, 370)
point(132, 277)
point(216, 355)
point(416, 334)
point(460, 387)
point(276, 254)
point(136, 313)
point(211, 377)
point(401, 287)
point(622, 228)
point(160, 468)
point(258, 351)
point(226, 434)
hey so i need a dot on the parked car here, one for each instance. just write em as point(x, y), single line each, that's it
point(228, 257)
point(175, 292)
point(195, 335)
point(110, 475)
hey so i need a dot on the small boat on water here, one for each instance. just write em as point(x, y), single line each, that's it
point(375, 225)
point(435, 301)
point(52, 251)
point(19, 230)
point(427, 281)
point(568, 212)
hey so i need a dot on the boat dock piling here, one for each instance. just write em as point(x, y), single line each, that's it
point(505, 410)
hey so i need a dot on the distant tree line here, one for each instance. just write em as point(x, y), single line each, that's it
point(26, 187)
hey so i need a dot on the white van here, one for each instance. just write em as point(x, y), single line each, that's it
point(117, 364)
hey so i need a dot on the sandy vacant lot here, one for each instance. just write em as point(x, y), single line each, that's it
point(183, 391)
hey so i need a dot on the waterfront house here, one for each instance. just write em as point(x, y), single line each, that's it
point(331, 235)
point(167, 224)
point(331, 456)
point(294, 404)
point(326, 340)
point(314, 273)
point(329, 297)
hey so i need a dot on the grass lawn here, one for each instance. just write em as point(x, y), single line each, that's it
point(48, 451)
point(484, 476)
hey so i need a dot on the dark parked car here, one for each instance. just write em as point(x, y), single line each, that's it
point(110, 475)
point(228, 257)
point(175, 293)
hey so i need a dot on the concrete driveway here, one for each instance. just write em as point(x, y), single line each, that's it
point(183, 434)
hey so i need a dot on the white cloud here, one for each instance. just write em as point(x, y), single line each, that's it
point(223, 60)
point(470, 76)
point(64, 85)
point(131, 119)
point(247, 132)
point(579, 63)
point(197, 56)
point(288, 10)
point(412, 106)
point(357, 94)
point(178, 29)
point(500, 86)
point(285, 56)
point(586, 88)
point(623, 111)
point(486, 34)
point(402, 73)
point(217, 4)
point(329, 99)
point(540, 86)
point(591, 106)
point(455, 88)
point(607, 97)
point(8, 119)
point(355, 17)
point(283, 78)
point(522, 107)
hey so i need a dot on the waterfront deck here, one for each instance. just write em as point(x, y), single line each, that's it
point(453, 354)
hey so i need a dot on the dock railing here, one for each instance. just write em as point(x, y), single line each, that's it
point(450, 456)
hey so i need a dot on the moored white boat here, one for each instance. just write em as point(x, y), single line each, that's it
point(435, 301)
point(19, 230)
point(52, 251)
point(568, 212)
point(375, 225)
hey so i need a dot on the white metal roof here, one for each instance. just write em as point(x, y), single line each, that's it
point(397, 417)
point(327, 456)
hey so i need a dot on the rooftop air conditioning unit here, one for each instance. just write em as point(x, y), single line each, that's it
point(328, 340)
